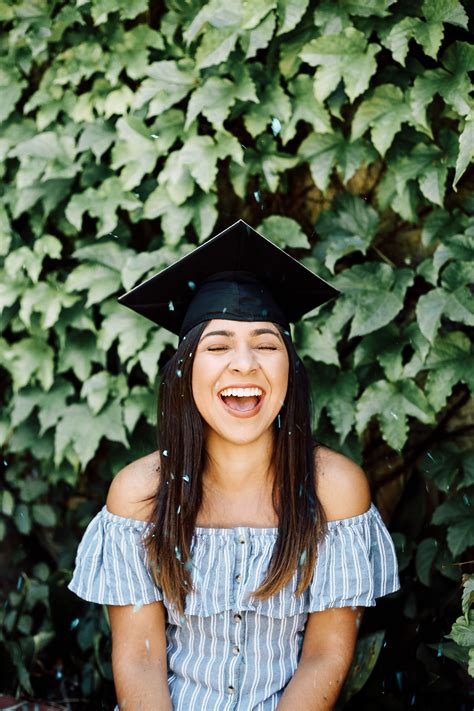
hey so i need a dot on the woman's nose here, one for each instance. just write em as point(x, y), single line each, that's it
point(243, 360)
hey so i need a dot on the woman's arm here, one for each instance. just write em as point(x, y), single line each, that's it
point(326, 657)
point(330, 635)
point(138, 633)
point(139, 657)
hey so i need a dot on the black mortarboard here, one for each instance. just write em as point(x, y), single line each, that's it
point(238, 275)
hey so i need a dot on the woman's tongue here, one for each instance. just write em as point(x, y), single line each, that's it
point(243, 404)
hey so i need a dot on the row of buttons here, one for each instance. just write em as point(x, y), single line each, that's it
point(235, 648)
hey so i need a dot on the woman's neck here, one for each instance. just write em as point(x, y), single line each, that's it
point(234, 469)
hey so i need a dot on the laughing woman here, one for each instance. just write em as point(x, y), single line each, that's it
point(235, 561)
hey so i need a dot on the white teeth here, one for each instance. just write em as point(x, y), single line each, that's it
point(241, 392)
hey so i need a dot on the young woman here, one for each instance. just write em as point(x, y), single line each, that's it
point(237, 560)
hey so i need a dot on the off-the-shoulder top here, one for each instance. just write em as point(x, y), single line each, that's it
point(230, 651)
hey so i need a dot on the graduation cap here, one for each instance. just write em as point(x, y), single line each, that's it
point(238, 275)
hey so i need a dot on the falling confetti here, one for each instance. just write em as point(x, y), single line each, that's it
point(179, 373)
point(394, 415)
point(138, 606)
point(75, 623)
point(178, 510)
point(186, 478)
point(258, 196)
point(276, 126)
point(165, 452)
point(191, 285)
point(171, 306)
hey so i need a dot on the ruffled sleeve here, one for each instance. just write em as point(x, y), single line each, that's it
point(356, 563)
point(110, 566)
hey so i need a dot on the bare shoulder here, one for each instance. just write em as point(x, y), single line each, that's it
point(341, 485)
point(131, 487)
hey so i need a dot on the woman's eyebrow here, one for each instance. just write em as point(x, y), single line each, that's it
point(230, 334)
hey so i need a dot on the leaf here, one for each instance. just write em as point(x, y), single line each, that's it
point(427, 33)
point(215, 47)
point(78, 354)
point(44, 515)
point(348, 226)
point(8, 503)
point(130, 329)
point(450, 361)
point(344, 56)
point(30, 360)
point(392, 403)
point(460, 536)
point(136, 152)
point(101, 9)
point(453, 88)
point(107, 253)
point(143, 263)
point(205, 214)
point(462, 632)
point(53, 404)
point(148, 356)
point(367, 652)
point(305, 107)
point(290, 13)
point(468, 596)
point(217, 14)
point(466, 150)
point(334, 392)
point(445, 11)
point(98, 281)
point(103, 204)
point(384, 112)
point(453, 300)
point(284, 232)
point(373, 293)
point(168, 127)
point(96, 137)
point(451, 511)
point(319, 344)
point(425, 555)
point(169, 82)
point(83, 431)
point(274, 103)
point(442, 465)
point(324, 151)
point(141, 402)
point(439, 224)
point(175, 218)
point(259, 37)
point(96, 390)
point(46, 299)
point(215, 98)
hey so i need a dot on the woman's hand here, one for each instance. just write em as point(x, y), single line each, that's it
point(139, 657)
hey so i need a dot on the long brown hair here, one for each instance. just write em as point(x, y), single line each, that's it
point(301, 518)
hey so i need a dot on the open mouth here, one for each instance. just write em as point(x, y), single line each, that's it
point(241, 399)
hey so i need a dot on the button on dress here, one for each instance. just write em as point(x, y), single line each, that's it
point(230, 652)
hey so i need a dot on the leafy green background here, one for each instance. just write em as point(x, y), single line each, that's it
point(131, 131)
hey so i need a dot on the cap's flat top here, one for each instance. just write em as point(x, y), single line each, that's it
point(165, 297)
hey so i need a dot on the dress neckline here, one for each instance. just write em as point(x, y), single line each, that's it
point(250, 530)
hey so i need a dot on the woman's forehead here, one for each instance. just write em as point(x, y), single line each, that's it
point(233, 327)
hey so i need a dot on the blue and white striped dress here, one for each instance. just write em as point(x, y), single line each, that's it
point(231, 651)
